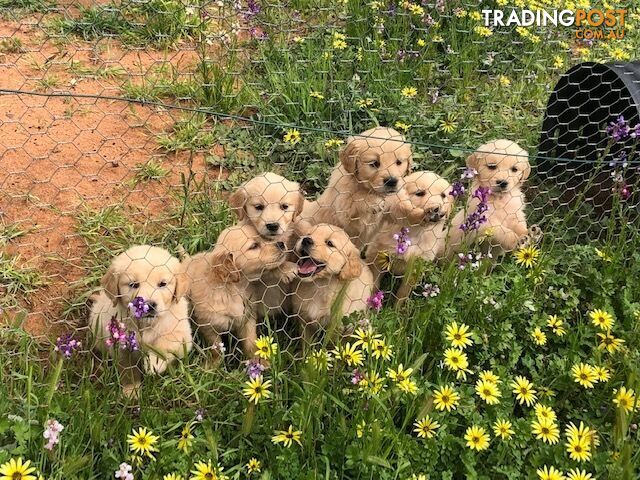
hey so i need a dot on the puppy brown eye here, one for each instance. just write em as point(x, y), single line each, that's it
point(398, 162)
point(259, 207)
point(492, 167)
point(514, 169)
point(330, 244)
point(375, 164)
point(284, 206)
point(420, 193)
point(134, 285)
point(443, 195)
point(254, 246)
point(162, 284)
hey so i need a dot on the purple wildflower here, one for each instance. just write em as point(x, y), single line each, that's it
point(200, 414)
point(402, 241)
point(375, 300)
point(254, 368)
point(258, 34)
point(253, 8)
point(471, 259)
point(477, 217)
point(139, 307)
point(440, 5)
point(124, 472)
point(636, 131)
point(357, 377)
point(457, 190)
point(51, 432)
point(66, 345)
point(430, 290)
point(619, 130)
point(428, 20)
point(435, 94)
point(625, 192)
point(119, 336)
point(468, 174)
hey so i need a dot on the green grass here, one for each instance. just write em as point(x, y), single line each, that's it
point(150, 171)
point(11, 45)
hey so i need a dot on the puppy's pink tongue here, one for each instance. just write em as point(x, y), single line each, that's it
point(307, 267)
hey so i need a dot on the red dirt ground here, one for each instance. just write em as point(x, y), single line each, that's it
point(58, 155)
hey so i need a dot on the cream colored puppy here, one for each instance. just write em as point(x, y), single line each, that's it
point(270, 203)
point(226, 284)
point(422, 206)
point(502, 166)
point(328, 262)
point(163, 332)
point(372, 166)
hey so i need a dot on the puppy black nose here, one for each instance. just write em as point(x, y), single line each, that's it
point(273, 227)
point(152, 306)
point(435, 209)
point(280, 245)
point(391, 182)
point(307, 241)
point(503, 184)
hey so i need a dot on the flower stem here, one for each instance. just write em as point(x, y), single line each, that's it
point(53, 382)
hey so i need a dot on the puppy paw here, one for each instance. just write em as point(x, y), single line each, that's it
point(288, 272)
point(155, 364)
point(131, 390)
point(535, 233)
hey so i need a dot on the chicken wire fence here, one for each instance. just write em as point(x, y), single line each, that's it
point(144, 122)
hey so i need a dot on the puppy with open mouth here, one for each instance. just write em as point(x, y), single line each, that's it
point(328, 263)
point(415, 225)
point(142, 296)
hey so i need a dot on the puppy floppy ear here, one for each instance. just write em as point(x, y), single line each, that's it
point(353, 268)
point(473, 160)
point(109, 283)
point(299, 205)
point(350, 153)
point(222, 268)
point(183, 283)
point(237, 201)
point(527, 166)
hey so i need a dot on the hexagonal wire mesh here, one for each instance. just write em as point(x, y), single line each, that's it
point(152, 123)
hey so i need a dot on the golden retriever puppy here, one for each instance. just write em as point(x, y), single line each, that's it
point(502, 166)
point(270, 203)
point(327, 262)
point(226, 284)
point(153, 278)
point(372, 166)
point(415, 226)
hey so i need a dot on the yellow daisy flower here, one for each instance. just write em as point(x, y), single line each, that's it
point(504, 81)
point(402, 126)
point(483, 31)
point(544, 412)
point(556, 325)
point(333, 142)
point(601, 319)
point(455, 359)
point(527, 256)
point(142, 442)
point(421, 42)
point(503, 429)
point(256, 389)
point(381, 350)
point(17, 470)
point(523, 388)
point(603, 255)
point(579, 449)
point(603, 374)
point(287, 437)
point(549, 473)
point(546, 430)
point(625, 399)
point(186, 438)
point(488, 392)
point(316, 94)
point(449, 125)
point(577, 474)
point(446, 398)
point(489, 376)
point(292, 136)
point(372, 383)
point(364, 338)
point(426, 427)
point(584, 374)
point(459, 336)
point(477, 438)
point(400, 374)
point(172, 476)
point(538, 336)
point(205, 471)
point(253, 466)
point(409, 92)
point(349, 354)
point(320, 359)
point(609, 343)
point(266, 346)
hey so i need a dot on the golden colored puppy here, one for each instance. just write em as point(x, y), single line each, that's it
point(226, 284)
point(372, 166)
point(270, 203)
point(328, 262)
point(502, 166)
point(422, 206)
point(164, 332)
